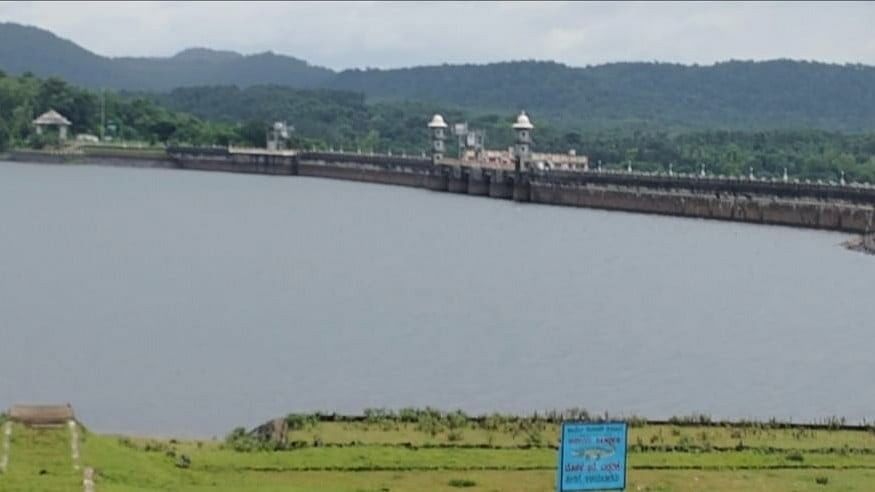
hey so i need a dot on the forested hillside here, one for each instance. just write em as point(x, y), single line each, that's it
point(325, 119)
point(735, 95)
point(731, 95)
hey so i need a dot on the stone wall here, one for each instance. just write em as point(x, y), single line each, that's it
point(838, 216)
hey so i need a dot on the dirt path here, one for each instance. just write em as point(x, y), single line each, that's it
point(88, 479)
point(4, 453)
point(74, 443)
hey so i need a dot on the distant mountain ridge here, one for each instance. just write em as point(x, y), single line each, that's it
point(207, 55)
point(30, 49)
point(732, 95)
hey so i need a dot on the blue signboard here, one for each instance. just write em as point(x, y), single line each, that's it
point(592, 456)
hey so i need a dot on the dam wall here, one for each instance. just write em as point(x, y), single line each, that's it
point(829, 206)
point(837, 216)
point(219, 159)
point(478, 182)
point(107, 159)
point(398, 170)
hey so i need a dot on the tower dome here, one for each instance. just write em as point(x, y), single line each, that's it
point(437, 121)
point(522, 122)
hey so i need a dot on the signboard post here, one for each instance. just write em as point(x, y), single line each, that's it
point(592, 456)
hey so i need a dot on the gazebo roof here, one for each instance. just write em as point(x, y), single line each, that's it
point(41, 414)
point(52, 117)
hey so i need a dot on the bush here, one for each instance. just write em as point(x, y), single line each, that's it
point(183, 462)
point(457, 420)
point(300, 421)
point(694, 419)
point(795, 456)
point(455, 435)
point(460, 482)
point(492, 422)
point(127, 443)
point(157, 447)
point(37, 142)
point(239, 440)
point(378, 415)
point(534, 438)
point(428, 423)
point(821, 480)
point(408, 414)
point(4, 144)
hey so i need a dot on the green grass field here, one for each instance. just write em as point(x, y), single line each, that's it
point(409, 456)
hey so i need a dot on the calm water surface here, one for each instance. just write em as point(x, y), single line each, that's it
point(171, 302)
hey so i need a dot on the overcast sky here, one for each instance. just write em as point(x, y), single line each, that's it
point(376, 34)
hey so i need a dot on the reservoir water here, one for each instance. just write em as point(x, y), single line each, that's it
point(172, 302)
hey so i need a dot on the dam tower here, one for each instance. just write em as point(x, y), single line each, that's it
point(438, 128)
point(522, 148)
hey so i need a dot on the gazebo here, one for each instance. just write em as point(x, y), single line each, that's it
point(42, 415)
point(52, 118)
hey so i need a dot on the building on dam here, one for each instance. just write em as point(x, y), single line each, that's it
point(520, 156)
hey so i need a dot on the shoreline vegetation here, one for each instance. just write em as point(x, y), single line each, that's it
point(427, 449)
point(326, 120)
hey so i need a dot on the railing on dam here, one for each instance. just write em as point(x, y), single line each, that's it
point(180, 151)
point(379, 160)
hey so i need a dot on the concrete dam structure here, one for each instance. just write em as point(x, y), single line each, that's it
point(522, 175)
point(848, 208)
point(837, 207)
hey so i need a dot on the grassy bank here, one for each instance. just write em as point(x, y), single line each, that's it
point(378, 454)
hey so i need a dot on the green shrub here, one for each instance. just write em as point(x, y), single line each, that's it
point(240, 441)
point(534, 438)
point(462, 482)
point(455, 435)
point(492, 422)
point(300, 421)
point(127, 443)
point(408, 414)
point(693, 419)
point(378, 415)
point(795, 456)
point(183, 462)
point(821, 480)
point(428, 424)
point(457, 420)
point(157, 447)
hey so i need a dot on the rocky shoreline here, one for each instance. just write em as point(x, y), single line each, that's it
point(864, 243)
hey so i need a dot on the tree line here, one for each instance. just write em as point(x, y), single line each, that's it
point(326, 119)
point(25, 97)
